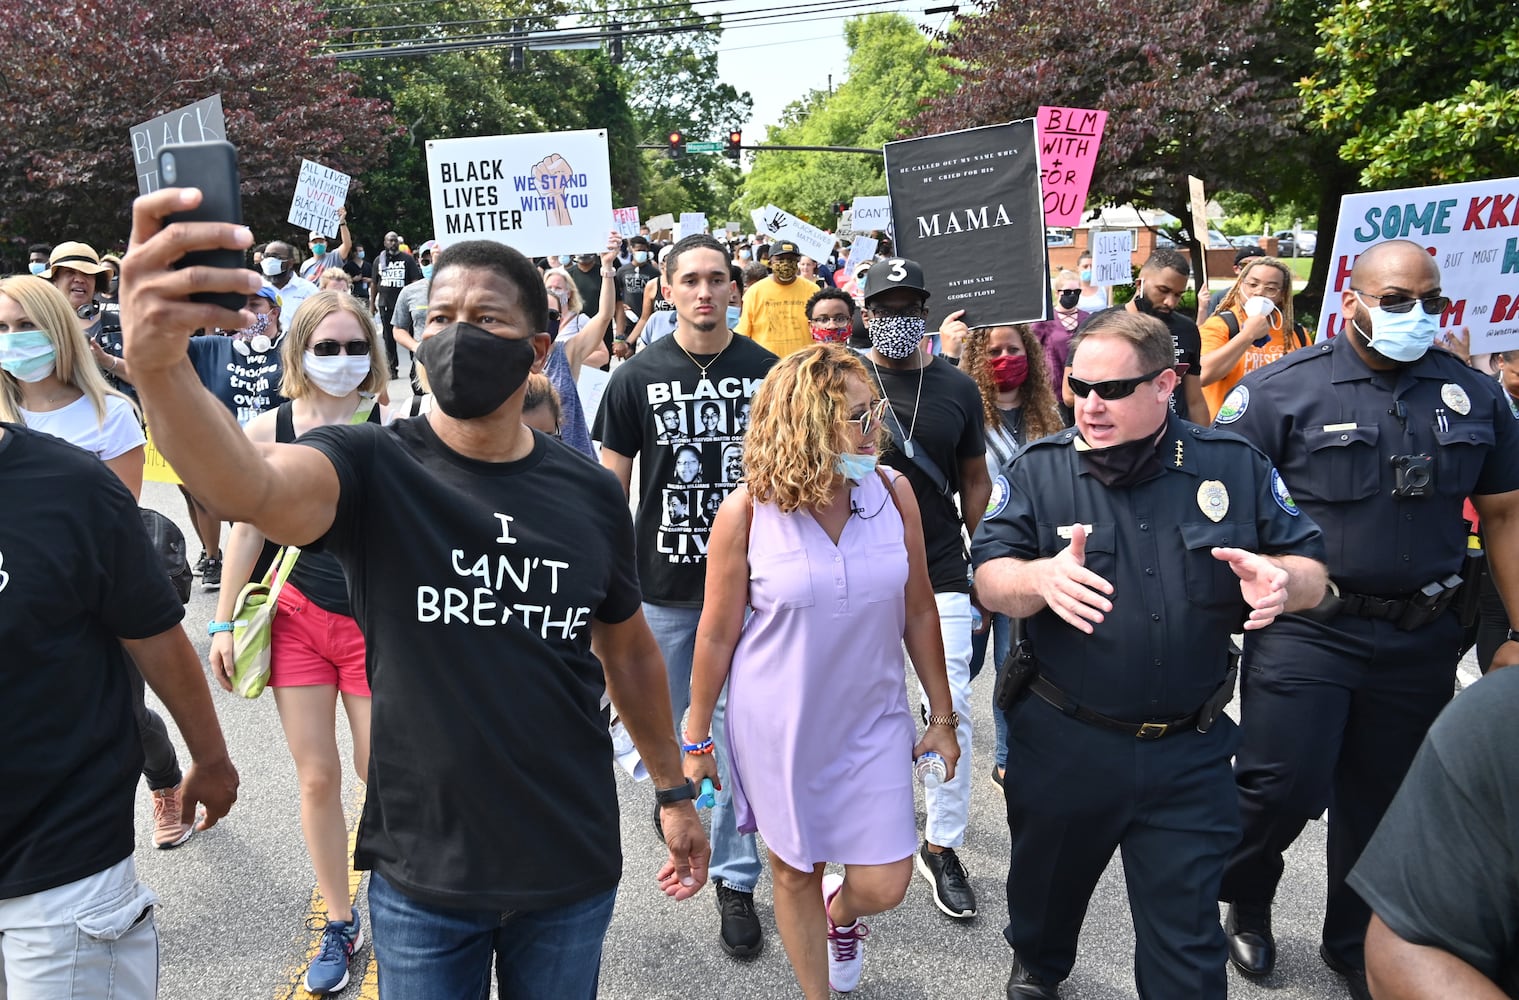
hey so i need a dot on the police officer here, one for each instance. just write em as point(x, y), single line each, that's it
point(1130, 544)
point(1380, 439)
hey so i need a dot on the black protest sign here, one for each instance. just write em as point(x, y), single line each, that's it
point(967, 207)
point(198, 122)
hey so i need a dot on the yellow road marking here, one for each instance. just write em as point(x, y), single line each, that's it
point(294, 985)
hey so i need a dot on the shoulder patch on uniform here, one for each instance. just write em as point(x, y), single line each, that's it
point(998, 501)
point(1279, 493)
point(1234, 406)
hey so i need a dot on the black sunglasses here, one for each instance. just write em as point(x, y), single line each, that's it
point(1397, 302)
point(1113, 388)
point(332, 348)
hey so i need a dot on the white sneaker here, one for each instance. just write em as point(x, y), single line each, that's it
point(846, 945)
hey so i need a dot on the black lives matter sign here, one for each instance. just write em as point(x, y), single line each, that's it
point(967, 207)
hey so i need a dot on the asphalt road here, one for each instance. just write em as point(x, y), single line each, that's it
point(236, 901)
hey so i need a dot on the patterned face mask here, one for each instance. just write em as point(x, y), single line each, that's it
point(896, 337)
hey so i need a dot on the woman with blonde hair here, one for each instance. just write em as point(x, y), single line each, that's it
point(828, 552)
point(1252, 328)
point(334, 364)
point(50, 382)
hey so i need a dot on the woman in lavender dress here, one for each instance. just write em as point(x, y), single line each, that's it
point(827, 551)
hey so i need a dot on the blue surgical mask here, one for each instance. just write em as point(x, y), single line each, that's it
point(27, 354)
point(640, 256)
point(427, 270)
point(1086, 276)
point(1404, 337)
point(318, 249)
point(733, 312)
point(855, 467)
point(36, 267)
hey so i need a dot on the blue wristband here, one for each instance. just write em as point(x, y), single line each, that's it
point(216, 627)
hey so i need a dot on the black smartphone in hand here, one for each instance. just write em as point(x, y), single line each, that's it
point(211, 167)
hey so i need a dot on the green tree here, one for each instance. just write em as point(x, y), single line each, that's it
point(1418, 91)
point(891, 70)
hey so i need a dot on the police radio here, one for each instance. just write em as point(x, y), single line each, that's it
point(1414, 475)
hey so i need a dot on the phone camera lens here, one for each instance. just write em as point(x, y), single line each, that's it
point(166, 166)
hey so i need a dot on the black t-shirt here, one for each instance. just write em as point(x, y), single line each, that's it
point(490, 778)
point(633, 278)
point(1187, 342)
point(394, 271)
point(362, 274)
point(1441, 870)
point(688, 433)
point(588, 284)
point(76, 572)
point(948, 429)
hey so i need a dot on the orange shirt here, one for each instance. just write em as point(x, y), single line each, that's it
point(1215, 334)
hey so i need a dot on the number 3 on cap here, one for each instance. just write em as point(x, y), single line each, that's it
point(898, 271)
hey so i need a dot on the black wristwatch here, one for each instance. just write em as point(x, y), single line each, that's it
point(680, 793)
point(1513, 636)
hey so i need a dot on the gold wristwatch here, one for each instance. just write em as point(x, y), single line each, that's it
point(952, 720)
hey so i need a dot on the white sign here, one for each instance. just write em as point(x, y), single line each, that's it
point(538, 193)
point(1112, 252)
point(661, 223)
point(870, 214)
point(198, 122)
point(1199, 226)
point(813, 242)
point(863, 248)
point(627, 221)
point(758, 215)
point(692, 223)
point(319, 193)
point(1471, 230)
point(733, 228)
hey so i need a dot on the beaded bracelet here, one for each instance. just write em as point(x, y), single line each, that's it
point(696, 749)
point(215, 627)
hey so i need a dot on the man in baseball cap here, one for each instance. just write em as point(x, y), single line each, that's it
point(775, 307)
point(938, 441)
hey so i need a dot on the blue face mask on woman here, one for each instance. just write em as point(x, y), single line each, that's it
point(855, 467)
point(1399, 336)
point(27, 354)
point(733, 312)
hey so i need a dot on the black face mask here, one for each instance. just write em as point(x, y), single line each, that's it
point(1069, 297)
point(1126, 464)
point(472, 372)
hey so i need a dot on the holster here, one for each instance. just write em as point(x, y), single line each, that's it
point(1218, 701)
point(1015, 675)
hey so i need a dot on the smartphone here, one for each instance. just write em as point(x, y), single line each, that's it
point(212, 167)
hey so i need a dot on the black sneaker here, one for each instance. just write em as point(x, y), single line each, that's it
point(740, 932)
point(951, 884)
point(211, 576)
point(200, 565)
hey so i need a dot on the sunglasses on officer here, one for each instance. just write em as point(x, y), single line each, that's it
point(1397, 302)
point(1110, 389)
point(332, 348)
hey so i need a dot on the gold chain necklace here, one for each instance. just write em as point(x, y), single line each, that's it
point(698, 364)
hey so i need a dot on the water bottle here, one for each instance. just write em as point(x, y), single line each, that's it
point(975, 618)
point(929, 769)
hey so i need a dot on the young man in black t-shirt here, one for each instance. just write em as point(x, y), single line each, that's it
point(394, 269)
point(490, 781)
point(1162, 281)
point(652, 405)
point(939, 444)
point(631, 279)
point(80, 588)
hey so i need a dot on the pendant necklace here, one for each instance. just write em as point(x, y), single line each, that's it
point(907, 448)
point(710, 361)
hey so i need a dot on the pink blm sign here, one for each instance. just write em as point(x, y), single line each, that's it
point(1068, 139)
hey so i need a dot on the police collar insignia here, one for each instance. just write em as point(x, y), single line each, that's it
point(1281, 496)
point(1456, 398)
point(1213, 500)
point(1234, 405)
point(1179, 455)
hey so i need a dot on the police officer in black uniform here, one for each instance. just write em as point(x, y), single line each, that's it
point(1380, 439)
point(1130, 544)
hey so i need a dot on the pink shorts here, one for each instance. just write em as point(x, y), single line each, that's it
point(311, 646)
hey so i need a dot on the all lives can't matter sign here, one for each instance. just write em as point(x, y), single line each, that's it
point(541, 193)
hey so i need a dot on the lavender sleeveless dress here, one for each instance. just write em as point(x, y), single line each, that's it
point(819, 734)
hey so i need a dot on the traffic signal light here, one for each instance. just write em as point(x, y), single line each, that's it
point(735, 144)
point(516, 58)
point(614, 43)
point(677, 143)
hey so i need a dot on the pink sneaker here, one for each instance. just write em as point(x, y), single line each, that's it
point(846, 945)
point(169, 828)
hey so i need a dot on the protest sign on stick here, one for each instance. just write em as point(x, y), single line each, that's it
point(1472, 232)
point(1199, 202)
point(319, 193)
point(812, 241)
point(1112, 257)
point(626, 220)
point(967, 207)
point(538, 193)
point(1068, 140)
point(693, 222)
point(871, 214)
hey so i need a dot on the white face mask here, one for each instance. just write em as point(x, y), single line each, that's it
point(338, 375)
point(271, 266)
point(1259, 305)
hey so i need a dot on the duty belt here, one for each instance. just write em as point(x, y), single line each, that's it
point(1139, 730)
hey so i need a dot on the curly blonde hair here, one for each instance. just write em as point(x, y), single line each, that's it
point(1041, 417)
point(795, 421)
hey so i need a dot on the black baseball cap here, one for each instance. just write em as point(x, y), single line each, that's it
point(894, 272)
point(784, 246)
point(1245, 253)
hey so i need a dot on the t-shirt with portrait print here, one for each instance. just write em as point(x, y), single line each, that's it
point(688, 433)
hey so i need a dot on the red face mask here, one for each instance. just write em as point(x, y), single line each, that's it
point(1009, 371)
point(830, 334)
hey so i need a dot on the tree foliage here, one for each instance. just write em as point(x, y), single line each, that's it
point(1190, 87)
point(1418, 91)
point(892, 69)
point(79, 77)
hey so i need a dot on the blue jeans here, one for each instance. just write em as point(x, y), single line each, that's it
point(735, 858)
point(1001, 634)
point(434, 953)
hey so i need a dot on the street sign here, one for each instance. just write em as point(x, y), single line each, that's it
point(704, 147)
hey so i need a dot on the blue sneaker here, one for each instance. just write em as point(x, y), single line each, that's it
point(329, 970)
